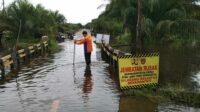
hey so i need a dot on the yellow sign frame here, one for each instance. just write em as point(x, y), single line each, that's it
point(138, 71)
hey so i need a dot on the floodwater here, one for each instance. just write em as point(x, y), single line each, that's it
point(53, 84)
point(180, 67)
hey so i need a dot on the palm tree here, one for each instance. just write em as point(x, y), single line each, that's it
point(158, 21)
point(35, 21)
point(103, 4)
point(167, 20)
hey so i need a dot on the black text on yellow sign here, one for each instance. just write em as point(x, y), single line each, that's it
point(138, 71)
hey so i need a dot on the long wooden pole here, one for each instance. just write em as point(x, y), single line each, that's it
point(74, 54)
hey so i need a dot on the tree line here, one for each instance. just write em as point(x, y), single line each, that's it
point(154, 22)
point(23, 20)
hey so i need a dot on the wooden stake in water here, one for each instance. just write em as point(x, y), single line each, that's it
point(74, 54)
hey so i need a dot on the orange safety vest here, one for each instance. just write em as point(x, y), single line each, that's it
point(87, 41)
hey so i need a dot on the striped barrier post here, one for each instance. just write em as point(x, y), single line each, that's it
point(21, 56)
point(32, 52)
point(38, 49)
point(15, 59)
point(46, 48)
point(6, 61)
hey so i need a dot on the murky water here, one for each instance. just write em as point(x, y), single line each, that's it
point(54, 78)
point(180, 67)
point(53, 82)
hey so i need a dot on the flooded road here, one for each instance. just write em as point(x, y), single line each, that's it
point(54, 84)
point(54, 78)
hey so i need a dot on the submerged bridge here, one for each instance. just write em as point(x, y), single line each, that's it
point(51, 83)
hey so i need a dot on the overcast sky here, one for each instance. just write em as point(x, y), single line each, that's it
point(76, 11)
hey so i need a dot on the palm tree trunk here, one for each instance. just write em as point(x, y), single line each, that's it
point(3, 4)
point(138, 27)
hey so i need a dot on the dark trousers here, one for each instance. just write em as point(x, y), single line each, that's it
point(88, 58)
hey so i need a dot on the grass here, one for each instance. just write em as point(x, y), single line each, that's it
point(23, 43)
point(175, 94)
point(181, 95)
point(54, 47)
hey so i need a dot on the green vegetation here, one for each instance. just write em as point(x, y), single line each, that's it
point(54, 46)
point(72, 28)
point(174, 23)
point(176, 94)
point(171, 22)
point(30, 23)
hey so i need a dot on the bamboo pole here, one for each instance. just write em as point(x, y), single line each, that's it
point(74, 54)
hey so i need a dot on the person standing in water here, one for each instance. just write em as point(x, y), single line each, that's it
point(87, 41)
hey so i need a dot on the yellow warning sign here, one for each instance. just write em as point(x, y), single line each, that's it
point(139, 70)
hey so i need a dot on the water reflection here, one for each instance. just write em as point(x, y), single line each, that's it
point(98, 55)
point(140, 104)
point(20, 93)
point(87, 84)
point(132, 104)
point(179, 66)
point(197, 79)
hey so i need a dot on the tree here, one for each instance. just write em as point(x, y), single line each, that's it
point(36, 21)
point(157, 21)
point(139, 24)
